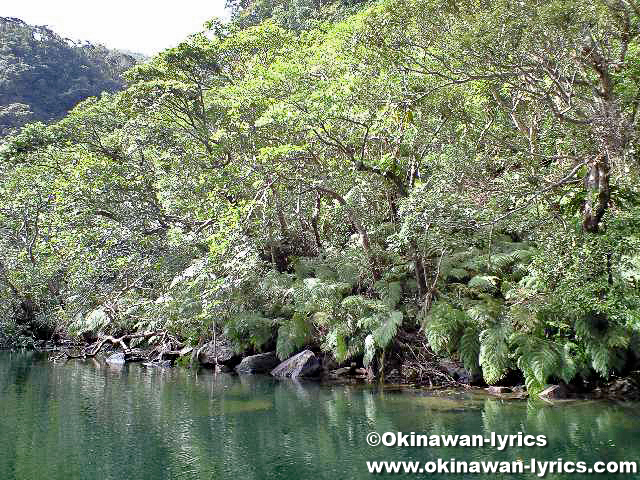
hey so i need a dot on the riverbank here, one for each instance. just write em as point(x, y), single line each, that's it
point(410, 364)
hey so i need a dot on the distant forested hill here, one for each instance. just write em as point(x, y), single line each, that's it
point(42, 75)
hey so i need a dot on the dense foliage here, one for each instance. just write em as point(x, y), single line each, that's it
point(42, 75)
point(465, 168)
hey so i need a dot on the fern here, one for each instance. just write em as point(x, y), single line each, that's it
point(388, 329)
point(475, 263)
point(443, 326)
point(303, 267)
point(387, 326)
point(357, 306)
point(249, 329)
point(618, 337)
point(568, 366)
point(484, 283)
point(494, 351)
point(540, 359)
point(485, 311)
point(95, 321)
point(292, 334)
point(369, 349)
point(600, 358)
point(470, 349)
point(457, 274)
point(340, 347)
point(314, 295)
point(390, 293)
point(502, 260)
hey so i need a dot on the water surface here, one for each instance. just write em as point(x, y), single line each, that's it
point(87, 420)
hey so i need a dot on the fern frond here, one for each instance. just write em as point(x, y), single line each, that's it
point(443, 326)
point(485, 312)
point(484, 283)
point(469, 349)
point(95, 321)
point(600, 358)
point(457, 274)
point(618, 337)
point(341, 350)
point(369, 350)
point(292, 334)
point(391, 293)
point(523, 256)
point(501, 261)
point(388, 329)
point(494, 351)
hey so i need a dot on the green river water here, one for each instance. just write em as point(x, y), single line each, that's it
point(87, 420)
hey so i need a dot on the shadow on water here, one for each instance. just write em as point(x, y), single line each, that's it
point(89, 420)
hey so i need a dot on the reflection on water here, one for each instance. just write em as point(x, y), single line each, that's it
point(87, 420)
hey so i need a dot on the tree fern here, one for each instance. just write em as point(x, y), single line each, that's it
point(457, 274)
point(369, 349)
point(537, 359)
point(443, 326)
point(618, 337)
point(95, 321)
point(600, 358)
point(494, 351)
point(381, 337)
point(485, 311)
point(483, 283)
point(388, 328)
point(523, 256)
point(249, 329)
point(358, 306)
point(568, 366)
point(475, 263)
point(341, 350)
point(390, 292)
point(314, 295)
point(540, 359)
point(469, 349)
point(292, 334)
point(501, 261)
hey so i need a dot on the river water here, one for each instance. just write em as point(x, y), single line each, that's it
point(87, 420)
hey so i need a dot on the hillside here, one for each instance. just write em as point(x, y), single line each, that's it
point(43, 76)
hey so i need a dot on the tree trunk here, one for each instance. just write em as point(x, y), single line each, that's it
point(314, 221)
point(366, 245)
point(596, 183)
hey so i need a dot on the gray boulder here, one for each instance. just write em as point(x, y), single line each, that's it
point(304, 364)
point(219, 353)
point(261, 363)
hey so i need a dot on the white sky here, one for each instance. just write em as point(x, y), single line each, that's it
point(143, 26)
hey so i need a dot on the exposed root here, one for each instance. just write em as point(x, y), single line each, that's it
point(412, 361)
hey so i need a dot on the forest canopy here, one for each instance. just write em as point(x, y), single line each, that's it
point(468, 170)
point(42, 75)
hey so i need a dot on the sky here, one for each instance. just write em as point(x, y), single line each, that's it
point(143, 26)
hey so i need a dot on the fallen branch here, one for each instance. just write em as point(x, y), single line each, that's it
point(90, 352)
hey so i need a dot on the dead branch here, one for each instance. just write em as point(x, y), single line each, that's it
point(93, 350)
